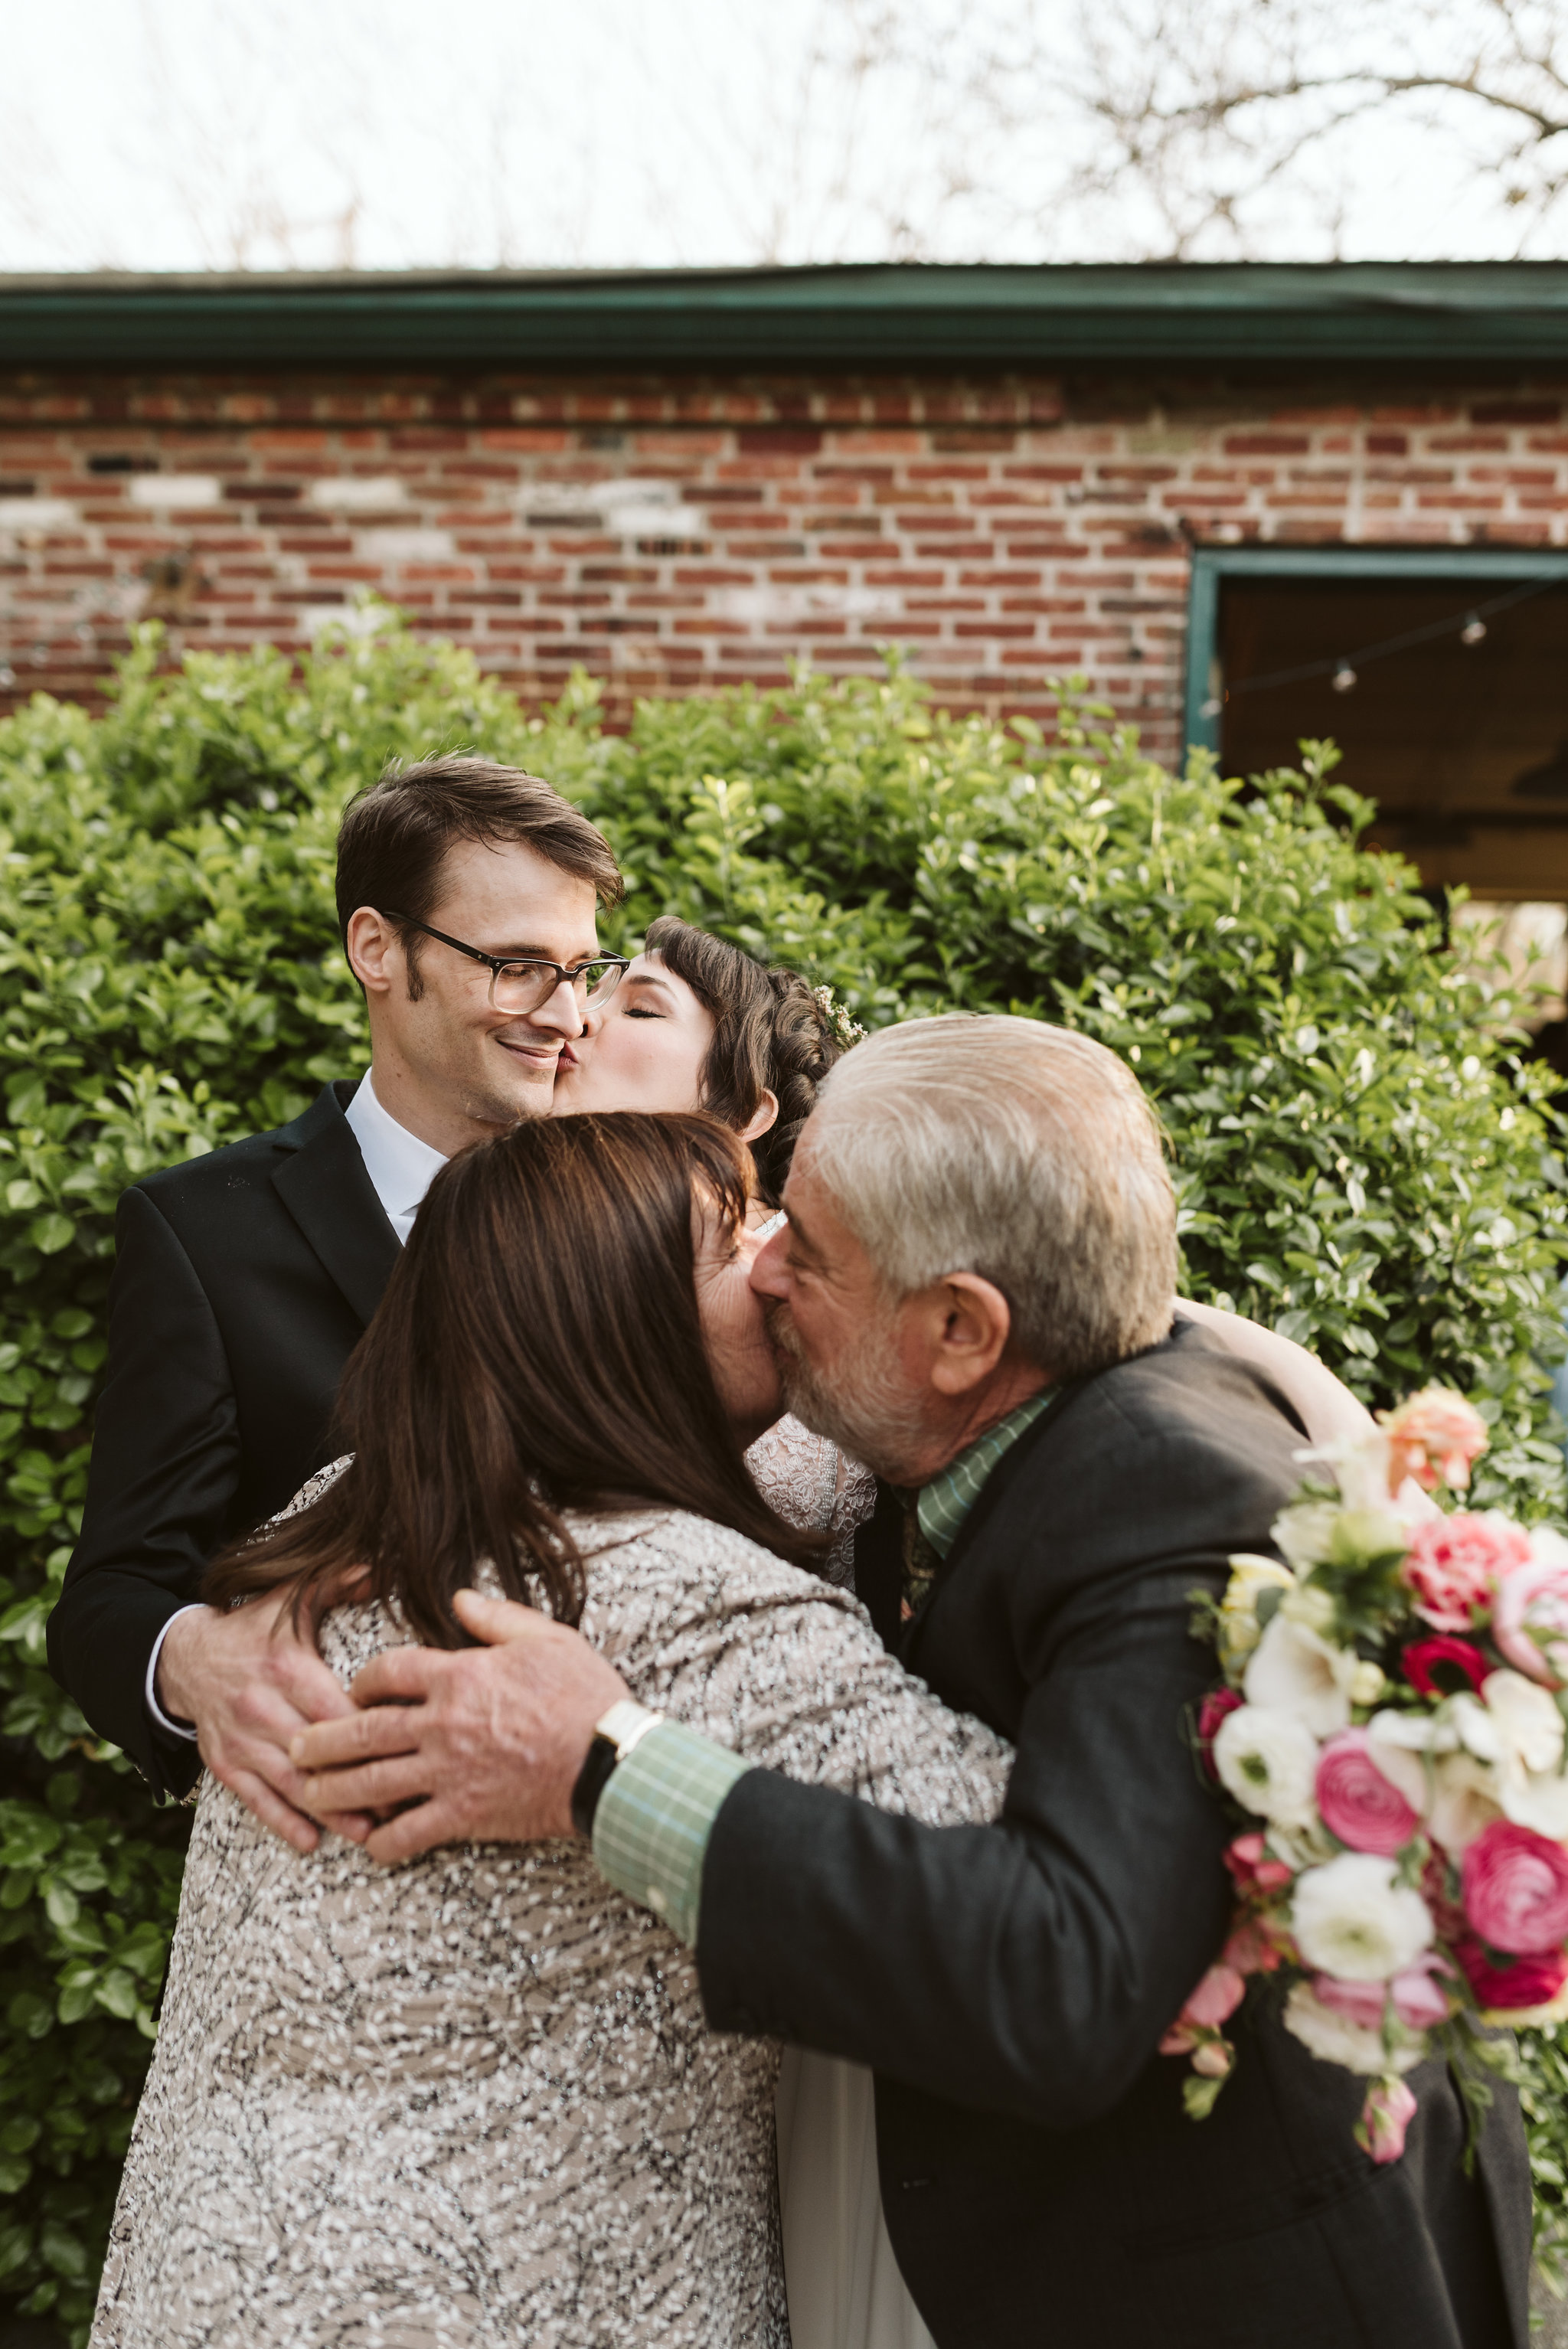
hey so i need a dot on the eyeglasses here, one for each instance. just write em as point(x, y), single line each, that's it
point(524, 984)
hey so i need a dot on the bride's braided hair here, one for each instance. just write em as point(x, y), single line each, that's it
point(772, 1033)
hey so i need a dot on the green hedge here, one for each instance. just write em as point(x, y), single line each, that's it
point(1357, 1164)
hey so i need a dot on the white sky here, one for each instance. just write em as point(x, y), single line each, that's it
point(198, 134)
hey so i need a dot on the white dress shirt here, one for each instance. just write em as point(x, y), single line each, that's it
point(401, 1168)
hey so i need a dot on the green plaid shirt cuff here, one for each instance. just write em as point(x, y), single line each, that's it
point(655, 1817)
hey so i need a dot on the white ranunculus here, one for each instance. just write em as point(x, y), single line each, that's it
point(1411, 1732)
point(1474, 1725)
point(1527, 1782)
point(1454, 1791)
point(1293, 1669)
point(1337, 2040)
point(1268, 1760)
point(1537, 1799)
point(1303, 1532)
point(1464, 1800)
point(1526, 1718)
point(1354, 1919)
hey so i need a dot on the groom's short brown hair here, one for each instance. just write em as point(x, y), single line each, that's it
point(393, 841)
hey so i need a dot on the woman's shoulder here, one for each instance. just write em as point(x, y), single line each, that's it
point(671, 1568)
point(673, 1544)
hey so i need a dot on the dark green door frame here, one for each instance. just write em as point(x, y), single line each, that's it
point(1211, 565)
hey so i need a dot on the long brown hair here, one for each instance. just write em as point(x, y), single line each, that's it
point(539, 1349)
point(770, 1034)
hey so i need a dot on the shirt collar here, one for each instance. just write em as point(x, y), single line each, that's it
point(942, 1506)
point(400, 1166)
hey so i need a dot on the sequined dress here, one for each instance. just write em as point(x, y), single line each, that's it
point(471, 2104)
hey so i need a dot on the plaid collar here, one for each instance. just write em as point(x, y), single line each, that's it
point(942, 1506)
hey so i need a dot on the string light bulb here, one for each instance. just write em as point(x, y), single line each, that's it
point(1211, 707)
point(1474, 629)
point(1344, 679)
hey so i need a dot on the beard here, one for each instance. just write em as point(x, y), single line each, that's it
point(864, 1404)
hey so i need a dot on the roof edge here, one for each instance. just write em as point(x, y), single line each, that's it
point(872, 314)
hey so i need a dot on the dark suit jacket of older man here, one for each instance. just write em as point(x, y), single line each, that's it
point(1043, 2186)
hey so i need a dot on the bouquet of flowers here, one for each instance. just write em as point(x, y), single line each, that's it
point(1390, 1730)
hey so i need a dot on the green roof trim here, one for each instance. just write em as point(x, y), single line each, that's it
point(876, 316)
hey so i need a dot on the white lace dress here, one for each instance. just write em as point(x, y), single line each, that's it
point(844, 2285)
point(472, 2104)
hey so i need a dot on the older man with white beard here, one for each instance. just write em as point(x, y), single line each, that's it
point(974, 1293)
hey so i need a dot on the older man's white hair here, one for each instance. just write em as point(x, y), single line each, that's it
point(1021, 1151)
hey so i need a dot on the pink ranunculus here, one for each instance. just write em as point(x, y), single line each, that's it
point(1526, 1982)
point(1433, 1436)
point(1389, 2109)
point(1418, 2000)
point(1516, 1889)
point(1530, 1620)
point(1362, 2002)
point(1252, 1872)
point(1357, 1803)
point(1455, 1563)
point(1422, 1656)
point(1211, 1712)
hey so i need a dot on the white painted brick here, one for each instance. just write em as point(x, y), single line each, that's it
point(407, 545)
point(357, 494)
point(168, 491)
point(36, 514)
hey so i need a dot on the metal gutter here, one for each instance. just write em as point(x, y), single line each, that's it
point(1361, 313)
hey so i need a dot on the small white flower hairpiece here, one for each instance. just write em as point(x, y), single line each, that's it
point(844, 1030)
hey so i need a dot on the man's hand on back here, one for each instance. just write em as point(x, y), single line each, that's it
point(249, 1683)
point(485, 1742)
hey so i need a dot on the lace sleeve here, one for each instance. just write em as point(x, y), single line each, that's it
point(311, 1490)
point(787, 1670)
point(812, 1484)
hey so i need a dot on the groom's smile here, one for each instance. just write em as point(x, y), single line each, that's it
point(449, 1065)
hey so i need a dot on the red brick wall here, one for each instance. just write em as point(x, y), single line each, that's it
point(672, 534)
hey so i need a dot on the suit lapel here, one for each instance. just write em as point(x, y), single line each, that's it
point(322, 1183)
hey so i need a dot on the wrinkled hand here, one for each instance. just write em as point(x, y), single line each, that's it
point(249, 1683)
point(485, 1742)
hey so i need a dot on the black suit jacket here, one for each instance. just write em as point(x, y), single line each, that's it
point(1042, 2183)
point(242, 1282)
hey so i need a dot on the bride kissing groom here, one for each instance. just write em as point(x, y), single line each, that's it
point(475, 2100)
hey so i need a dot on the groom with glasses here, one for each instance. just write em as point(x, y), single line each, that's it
point(243, 1279)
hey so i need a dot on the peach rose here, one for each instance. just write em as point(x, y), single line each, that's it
point(1433, 1436)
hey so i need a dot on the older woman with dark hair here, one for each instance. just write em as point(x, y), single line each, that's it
point(474, 2102)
